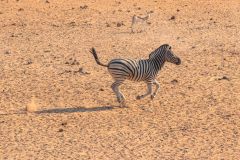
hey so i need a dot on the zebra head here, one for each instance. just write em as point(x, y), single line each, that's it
point(170, 56)
point(164, 53)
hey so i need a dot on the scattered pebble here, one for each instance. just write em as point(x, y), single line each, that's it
point(7, 52)
point(174, 81)
point(72, 61)
point(173, 18)
point(219, 78)
point(60, 130)
point(108, 25)
point(64, 123)
point(223, 78)
point(119, 24)
point(101, 89)
point(72, 24)
point(84, 7)
point(20, 9)
point(29, 61)
point(47, 1)
point(82, 71)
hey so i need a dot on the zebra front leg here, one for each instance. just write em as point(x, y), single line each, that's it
point(156, 90)
point(120, 96)
point(149, 91)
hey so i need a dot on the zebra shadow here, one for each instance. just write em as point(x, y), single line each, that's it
point(75, 109)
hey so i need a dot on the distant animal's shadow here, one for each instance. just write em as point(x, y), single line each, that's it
point(75, 109)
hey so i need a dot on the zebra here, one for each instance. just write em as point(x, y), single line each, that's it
point(139, 70)
point(136, 19)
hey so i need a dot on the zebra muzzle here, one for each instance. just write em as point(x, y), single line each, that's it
point(178, 61)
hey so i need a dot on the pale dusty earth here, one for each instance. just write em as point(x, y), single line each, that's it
point(45, 63)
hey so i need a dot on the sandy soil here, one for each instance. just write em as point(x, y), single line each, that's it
point(43, 44)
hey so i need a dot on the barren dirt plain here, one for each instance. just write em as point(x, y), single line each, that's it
point(44, 53)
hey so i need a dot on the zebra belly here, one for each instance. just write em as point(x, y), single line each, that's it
point(121, 69)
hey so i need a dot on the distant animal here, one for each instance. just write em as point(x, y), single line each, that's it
point(136, 19)
point(139, 70)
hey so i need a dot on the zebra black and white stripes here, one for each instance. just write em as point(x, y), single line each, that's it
point(139, 70)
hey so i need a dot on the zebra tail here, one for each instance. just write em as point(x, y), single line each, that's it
point(94, 53)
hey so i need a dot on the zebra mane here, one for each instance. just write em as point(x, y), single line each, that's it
point(156, 51)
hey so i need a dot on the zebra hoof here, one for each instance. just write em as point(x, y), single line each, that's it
point(152, 96)
point(119, 100)
point(138, 97)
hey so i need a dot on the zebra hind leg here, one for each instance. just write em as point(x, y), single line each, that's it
point(149, 91)
point(156, 90)
point(120, 96)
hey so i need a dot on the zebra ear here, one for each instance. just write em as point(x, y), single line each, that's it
point(170, 47)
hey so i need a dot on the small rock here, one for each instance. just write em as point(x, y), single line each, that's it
point(72, 61)
point(101, 89)
point(108, 25)
point(64, 123)
point(72, 24)
point(47, 1)
point(119, 24)
point(20, 9)
point(224, 78)
point(29, 61)
point(178, 10)
point(219, 78)
point(7, 52)
point(60, 130)
point(173, 18)
point(174, 81)
point(82, 71)
point(84, 7)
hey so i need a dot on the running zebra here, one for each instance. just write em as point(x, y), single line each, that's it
point(139, 70)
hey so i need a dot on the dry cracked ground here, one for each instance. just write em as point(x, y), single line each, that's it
point(44, 56)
